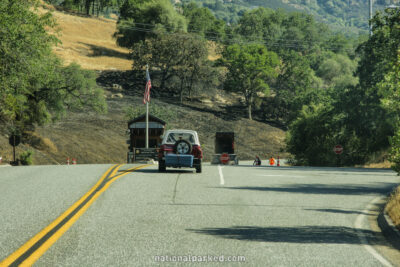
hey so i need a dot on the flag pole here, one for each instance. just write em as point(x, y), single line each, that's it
point(147, 117)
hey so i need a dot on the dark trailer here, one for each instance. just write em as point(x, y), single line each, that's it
point(224, 145)
point(137, 140)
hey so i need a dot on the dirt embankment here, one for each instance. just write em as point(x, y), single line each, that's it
point(93, 138)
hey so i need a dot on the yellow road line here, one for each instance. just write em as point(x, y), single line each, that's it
point(10, 259)
point(33, 257)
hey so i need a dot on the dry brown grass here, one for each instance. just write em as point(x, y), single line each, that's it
point(213, 51)
point(93, 138)
point(393, 207)
point(88, 41)
point(380, 165)
point(38, 142)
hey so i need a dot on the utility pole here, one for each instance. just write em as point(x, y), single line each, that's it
point(370, 17)
point(147, 114)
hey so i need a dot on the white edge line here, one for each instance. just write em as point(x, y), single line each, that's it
point(279, 175)
point(364, 241)
point(270, 175)
point(221, 175)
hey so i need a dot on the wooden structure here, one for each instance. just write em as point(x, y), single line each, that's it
point(137, 140)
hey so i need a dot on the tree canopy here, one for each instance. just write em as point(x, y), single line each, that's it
point(139, 19)
point(34, 86)
point(202, 22)
point(324, 90)
point(250, 69)
point(180, 56)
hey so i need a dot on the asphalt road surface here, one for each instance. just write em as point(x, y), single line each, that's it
point(242, 215)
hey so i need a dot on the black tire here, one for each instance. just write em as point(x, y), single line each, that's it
point(186, 143)
point(161, 166)
point(198, 167)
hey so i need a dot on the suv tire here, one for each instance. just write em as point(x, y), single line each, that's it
point(198, 167)
point(161, 166)
point(183, 142)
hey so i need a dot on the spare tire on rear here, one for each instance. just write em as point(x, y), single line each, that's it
point(182, 147)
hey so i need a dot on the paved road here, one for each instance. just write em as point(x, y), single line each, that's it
point(286, 216)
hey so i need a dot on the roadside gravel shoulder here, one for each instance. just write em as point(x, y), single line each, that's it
point(380, 226)
point(389, 230)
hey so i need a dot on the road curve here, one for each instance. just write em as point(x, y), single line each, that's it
point(269, 216)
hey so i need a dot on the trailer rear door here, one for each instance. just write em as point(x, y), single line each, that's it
point(225, 142)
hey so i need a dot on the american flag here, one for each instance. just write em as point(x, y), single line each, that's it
point(146, 97)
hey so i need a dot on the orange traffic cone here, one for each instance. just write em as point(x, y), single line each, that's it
point(272, 161)
point(277, 164)
point(73, 161)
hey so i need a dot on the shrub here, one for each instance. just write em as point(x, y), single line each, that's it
point(26, 157)
point(394, 154)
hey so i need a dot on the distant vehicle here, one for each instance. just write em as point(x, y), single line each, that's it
point(180, 148)
point(225, 149)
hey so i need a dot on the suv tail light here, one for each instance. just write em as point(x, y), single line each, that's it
point(165, 149)
point(197, 152)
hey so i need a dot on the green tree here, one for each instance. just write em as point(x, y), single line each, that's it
point(182, 55)
point(337, 69)
point(250, 69)
point(389, 89)
point(340, 117)
point(95, 6)
point(193, 66)
point(159, 52)
point(379, 52)
point(281, 31)
point(201, 21)
point(140, 19)
point(34, 86)
point(259, 23)
point(295, 86)
point(394, 153)
point(310, 137)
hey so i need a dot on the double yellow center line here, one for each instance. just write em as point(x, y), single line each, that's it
point(32, 250)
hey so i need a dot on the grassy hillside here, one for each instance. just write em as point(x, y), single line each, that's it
point(89, 42)
point(93, 138)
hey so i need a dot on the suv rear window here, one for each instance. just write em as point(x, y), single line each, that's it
point(173, 137)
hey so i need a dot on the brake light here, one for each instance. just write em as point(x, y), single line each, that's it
point(165, 149)
point(197, 152)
